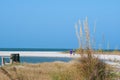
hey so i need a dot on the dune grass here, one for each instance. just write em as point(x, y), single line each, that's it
point(84, 68)
point(43, 71)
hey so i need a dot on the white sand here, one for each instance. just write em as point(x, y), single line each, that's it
point(108, 56)
point(55, 54)
point(36, 54)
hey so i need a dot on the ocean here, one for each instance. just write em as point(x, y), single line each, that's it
point(40, 59)
point(32, 49)
point(37, 59)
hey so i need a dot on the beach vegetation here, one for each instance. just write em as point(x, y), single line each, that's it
point(91, 67)
point(81, 69)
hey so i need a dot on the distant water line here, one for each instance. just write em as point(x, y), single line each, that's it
point(33, 49)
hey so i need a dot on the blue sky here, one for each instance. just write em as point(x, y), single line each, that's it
point(50, 23)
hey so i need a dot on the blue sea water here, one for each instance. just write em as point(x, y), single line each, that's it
point(32, 49)
point(37, 59)
point(40, 59)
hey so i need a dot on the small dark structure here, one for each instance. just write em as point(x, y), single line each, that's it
point(15, 58)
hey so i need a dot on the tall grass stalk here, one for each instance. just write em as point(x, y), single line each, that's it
point(77, 34)
point(87, 33)
point(81, 34)
point(94, 32)
point(90, 67)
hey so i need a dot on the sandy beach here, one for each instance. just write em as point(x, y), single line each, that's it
point(56, 54)
point(37, 54)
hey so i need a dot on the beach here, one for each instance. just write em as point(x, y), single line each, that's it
point(56, 54)
point(40, 62)
point(109, 58)
point(37, 54)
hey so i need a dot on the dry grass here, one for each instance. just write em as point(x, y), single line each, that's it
point(82, 51)
point(93, 69)
point(3, 77)
point(81, 69)
point(108, 52)
point(43, 71)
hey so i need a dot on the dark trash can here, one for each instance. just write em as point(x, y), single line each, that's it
point(15, 58)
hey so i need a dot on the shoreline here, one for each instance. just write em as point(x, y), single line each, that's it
point(108, 58)
point(56, 54)
point(38, 54)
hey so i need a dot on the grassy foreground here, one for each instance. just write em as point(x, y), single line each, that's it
point(73, 70)
point(43, 71)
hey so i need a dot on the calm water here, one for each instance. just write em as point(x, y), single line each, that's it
point(40, 59)
point(32, 49)
point(37, 59)
point(43, 49)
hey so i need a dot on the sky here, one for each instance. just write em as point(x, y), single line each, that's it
point(50, 23)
